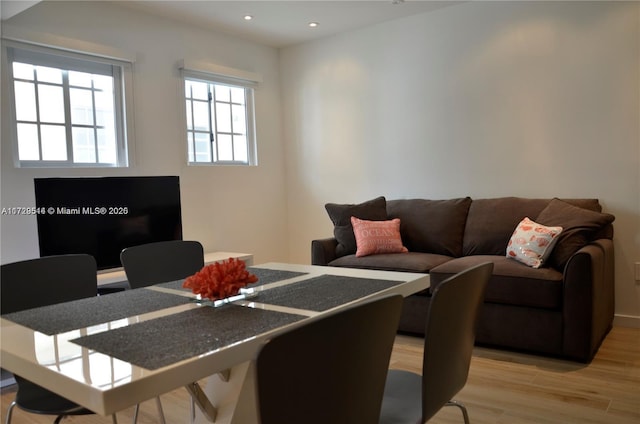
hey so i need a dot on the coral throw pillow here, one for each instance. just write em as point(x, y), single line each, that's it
point(340, 214)
point(374, 237)
point(532, 243)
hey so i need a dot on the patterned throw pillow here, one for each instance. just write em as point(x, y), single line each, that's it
point(374, 237)
point(532, 243)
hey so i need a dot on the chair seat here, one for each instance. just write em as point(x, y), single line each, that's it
point(402, 403)
point(38, 400)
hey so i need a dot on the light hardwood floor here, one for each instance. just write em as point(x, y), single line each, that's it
point(503, 388)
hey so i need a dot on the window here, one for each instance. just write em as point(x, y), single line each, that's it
point(68, 109)
point(219, 121)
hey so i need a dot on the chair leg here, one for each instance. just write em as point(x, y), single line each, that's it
point(135, 414)
point(114, 419)
point(160, 412)
point(465, 415)
point(9, 412)
point(58, 419)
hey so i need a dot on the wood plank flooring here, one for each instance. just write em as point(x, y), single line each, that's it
point(503, 388)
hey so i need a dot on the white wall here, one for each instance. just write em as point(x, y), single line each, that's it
point(482, 99)
point(226, 208)
point(485, 99)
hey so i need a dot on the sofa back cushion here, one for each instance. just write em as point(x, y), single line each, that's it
point(580, 226)
point(490, 222)
point(431, 226)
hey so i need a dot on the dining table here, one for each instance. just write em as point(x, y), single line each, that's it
point(111, 352)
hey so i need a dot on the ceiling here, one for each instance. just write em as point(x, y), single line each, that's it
point(274, 23)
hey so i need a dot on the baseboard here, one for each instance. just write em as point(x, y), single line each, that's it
point(626, 321)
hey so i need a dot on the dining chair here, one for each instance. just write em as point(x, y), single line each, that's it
point(448, 345)
point(331, 370)
point(41, 282)
point(161, 262)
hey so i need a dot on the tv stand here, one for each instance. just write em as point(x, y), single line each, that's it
point(118, 279)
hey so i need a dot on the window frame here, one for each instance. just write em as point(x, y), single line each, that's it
point(221, 78)
point(67, 60)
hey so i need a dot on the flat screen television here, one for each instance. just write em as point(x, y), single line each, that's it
point(103, 215)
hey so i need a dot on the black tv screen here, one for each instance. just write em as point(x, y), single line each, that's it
point(101, 216)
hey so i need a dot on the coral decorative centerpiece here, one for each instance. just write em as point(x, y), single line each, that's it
point(220, 280)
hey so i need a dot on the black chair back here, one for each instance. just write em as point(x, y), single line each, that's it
point(331, 370)
point(41, 282)
point(161, 262)
point(450, 336)
point(47, 281)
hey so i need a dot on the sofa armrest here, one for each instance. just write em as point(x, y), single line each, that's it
point(588, 299)
point(323, 251)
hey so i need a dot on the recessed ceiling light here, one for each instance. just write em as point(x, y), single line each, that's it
point(313, 24)
point(248, 17)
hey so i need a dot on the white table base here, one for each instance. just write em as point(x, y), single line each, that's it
point(234, 400)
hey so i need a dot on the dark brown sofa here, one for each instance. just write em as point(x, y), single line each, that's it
point(564, 308)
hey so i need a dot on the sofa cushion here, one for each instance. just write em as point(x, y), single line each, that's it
point(431, 226)
point(579, 228)
point(340, 214)
point(532, 243)
point(512, 282)
point(374, 237)
point(490, 222)
point(406, 262)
